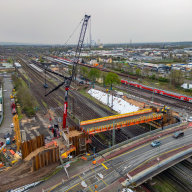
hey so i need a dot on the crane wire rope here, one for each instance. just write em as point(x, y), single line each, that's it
point(66, 42)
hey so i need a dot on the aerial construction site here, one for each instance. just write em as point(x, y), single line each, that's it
point(69, 124)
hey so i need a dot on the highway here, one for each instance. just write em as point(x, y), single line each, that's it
point(117, 167)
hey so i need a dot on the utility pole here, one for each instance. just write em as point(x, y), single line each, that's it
point(107, 97)
point(112, 100)
point(113, 137)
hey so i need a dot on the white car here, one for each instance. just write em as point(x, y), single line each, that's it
point(190, 119)
point(12, 125)
point(127, 190)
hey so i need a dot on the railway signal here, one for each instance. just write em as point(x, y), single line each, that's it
point(67, 80)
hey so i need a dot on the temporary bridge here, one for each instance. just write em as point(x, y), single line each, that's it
point(119, 121)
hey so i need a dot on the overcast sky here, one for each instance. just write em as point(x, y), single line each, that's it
point(113, 21)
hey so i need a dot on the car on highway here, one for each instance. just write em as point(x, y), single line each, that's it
point(178, 134)
point(155, 143)
point(12, 125)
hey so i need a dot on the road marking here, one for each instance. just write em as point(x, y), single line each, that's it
point(156, 156)
point(122, 155)
point(100, 178)
point(72, 187)
point(55, 186)
point(104, 166)
point(84, 181)
point(137, 148)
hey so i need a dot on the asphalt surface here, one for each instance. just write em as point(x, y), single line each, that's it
point(8, 117)
point(120, 165)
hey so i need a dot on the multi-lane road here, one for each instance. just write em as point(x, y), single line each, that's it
point(116, 168)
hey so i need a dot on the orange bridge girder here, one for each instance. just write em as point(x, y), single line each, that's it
point(119, 125)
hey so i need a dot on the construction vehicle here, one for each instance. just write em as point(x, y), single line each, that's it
point(65, 154)
point(165, 109)
point(67, 80)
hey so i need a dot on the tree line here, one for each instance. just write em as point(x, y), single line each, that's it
point(93, 74)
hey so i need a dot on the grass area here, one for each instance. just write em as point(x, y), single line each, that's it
point(165, 86)
point(23, 83)
point(26, 77)
point(52, 174)
point(53, 81)
point(44, 104)
point(61, 97)
point(84, 93)
point(59, 103)
point(19, 112)
point(75, 119)
point(163, 186)
point(24, 97)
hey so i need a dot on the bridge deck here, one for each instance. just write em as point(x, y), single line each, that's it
point(119, 121)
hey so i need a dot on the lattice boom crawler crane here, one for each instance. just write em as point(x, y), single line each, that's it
point(67, 80)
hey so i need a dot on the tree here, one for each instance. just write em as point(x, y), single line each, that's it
point(70, 68)
point(41, 60)
point(176, 78)
point(93, 74)
point(10, 60)
point(84, 71)
point(111, 79)
point(138, 72)
point(103, 74)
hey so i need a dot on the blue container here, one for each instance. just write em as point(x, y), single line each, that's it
point(8, 141)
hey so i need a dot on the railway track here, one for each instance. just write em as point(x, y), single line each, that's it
point(175, 179)
point(36, 85)
point(83, 108)
point(177, 104)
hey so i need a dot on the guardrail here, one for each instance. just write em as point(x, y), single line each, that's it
point(138, 137)
point(158, 166)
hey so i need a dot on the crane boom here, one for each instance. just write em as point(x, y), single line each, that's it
point(80, 44)
point(67, 80)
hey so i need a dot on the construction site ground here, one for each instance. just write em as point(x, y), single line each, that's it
point(35, 126)
point(21, 174)
point(141, 105)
